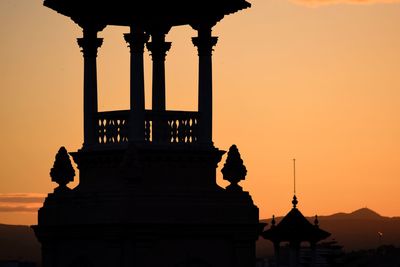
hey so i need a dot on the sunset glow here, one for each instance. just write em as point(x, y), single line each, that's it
point(315, 80)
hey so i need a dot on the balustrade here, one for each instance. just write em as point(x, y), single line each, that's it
point(161, 127)
point(113, 127)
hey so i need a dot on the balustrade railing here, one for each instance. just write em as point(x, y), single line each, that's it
point(174, 127)
point(168, 127)
point(113, 127)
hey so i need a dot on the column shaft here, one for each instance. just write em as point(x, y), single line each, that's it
point(205, 43)
point(136, 40)
point(89, 44)
point(158, 48)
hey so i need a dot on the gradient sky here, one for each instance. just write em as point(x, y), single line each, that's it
point(314, 80)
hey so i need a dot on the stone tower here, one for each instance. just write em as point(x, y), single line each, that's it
point(147, 193)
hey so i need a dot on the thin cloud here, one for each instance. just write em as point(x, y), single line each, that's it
point(22, 198)
point(21, 202)
point(18, 209)
point(356, 2)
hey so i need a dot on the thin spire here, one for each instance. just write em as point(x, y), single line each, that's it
point(316, 222)
point(294, 201)
point(294, 176)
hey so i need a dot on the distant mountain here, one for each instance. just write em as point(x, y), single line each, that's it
point(354, 231)
point(360, 229)
point(362, 214)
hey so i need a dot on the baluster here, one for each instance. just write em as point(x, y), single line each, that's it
point(187, 131)
point(194, 130)
point(117, 131)
point(126, 138)
point(171, 138)
point(182, 131)
point(112, 130)
point(179, 131)
point(101, 131)
point(151, 130)
point(121, 131)
point(191, 125)
point(122, 135)
point(106, 130)
point(147, 131)
point(175, 130)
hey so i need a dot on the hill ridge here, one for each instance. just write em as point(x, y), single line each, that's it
point(361, 213)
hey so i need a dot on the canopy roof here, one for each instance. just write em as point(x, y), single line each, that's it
point(295, 227)
point(148, 13)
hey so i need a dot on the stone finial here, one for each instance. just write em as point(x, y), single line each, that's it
point(234, 171)
point(316, 222)
point(62, 171)
point(273, 222)
point(294, 201)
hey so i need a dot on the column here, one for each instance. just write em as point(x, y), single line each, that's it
point(158, 48)
point(89, 44)
point(136, 40)
point(204, 43)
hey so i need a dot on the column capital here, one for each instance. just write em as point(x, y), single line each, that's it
point(136, 40)
point(89, 45)
point(158, 49)
point(205, 44)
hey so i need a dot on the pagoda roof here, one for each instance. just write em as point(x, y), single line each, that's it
point(295, 227)
point(148, 13)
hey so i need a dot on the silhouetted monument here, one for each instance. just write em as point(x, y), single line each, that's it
point(294, 229)
point(147, 193)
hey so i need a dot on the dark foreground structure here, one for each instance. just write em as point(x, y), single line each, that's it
point(147, 193)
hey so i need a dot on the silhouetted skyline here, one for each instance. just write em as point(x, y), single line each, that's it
point(20, 242)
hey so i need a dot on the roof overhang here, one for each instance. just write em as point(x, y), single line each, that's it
point(146, 13)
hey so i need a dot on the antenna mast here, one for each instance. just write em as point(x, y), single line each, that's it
point(294, 201)
point(294, 176)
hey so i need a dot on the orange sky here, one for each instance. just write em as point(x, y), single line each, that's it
point(315, 80)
